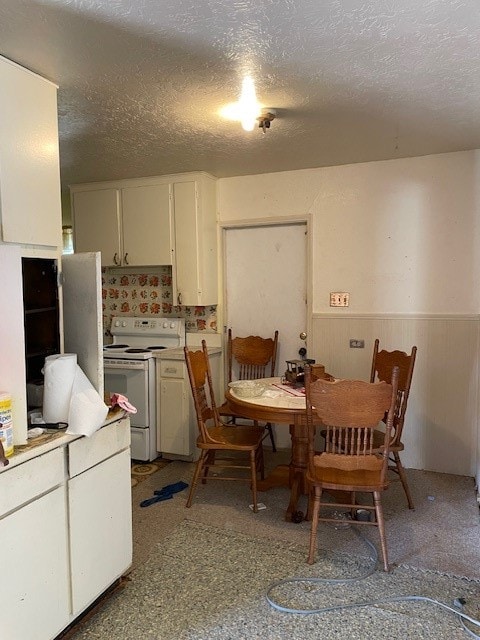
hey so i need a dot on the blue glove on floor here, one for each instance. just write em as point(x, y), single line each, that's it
point(166, 493)
point(149, 501)
point(171, 488)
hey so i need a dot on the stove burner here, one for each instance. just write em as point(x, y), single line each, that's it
point(110, 347)
point(156, 347)
point(131, 350)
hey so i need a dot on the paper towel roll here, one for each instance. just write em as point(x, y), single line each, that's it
point(87, 410)
point(59, 373)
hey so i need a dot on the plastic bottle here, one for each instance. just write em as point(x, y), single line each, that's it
point(6, 424)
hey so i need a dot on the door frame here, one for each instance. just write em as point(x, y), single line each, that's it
point(262, 222)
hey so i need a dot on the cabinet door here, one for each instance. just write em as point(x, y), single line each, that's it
point(30, 175)
point(34, 590)
point(96, 223)
point(187, 267)
point(146, 219)
point(100, 513)
point(174, 436)
point(195, 272)
point(82, 313)
point(12, 339)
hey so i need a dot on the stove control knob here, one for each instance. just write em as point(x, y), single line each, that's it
point(117, 323)
point(165, 325)
point(124, 324)
point(172, 325)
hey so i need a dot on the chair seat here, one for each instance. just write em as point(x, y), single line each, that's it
point(354, 480)
point(241, 437)
point(226, 412)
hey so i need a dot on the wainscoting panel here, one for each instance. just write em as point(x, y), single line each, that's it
point(440, 433)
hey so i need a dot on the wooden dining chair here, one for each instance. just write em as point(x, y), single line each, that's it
point(250, 358)
point(382, 366)
point(350, 411)
point(221, 446)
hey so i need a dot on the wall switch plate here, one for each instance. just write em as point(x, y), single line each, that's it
point(357, 344)
point(339, 299)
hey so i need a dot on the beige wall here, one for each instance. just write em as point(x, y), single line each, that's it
point(440, 430)
point(401, 236)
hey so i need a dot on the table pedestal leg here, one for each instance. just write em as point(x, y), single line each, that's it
point(292, 475)
point(298, 467)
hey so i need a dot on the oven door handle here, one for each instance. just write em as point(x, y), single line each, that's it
point(124, 365)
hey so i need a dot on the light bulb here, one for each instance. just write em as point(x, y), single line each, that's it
point(246, 109)
point(248, 105)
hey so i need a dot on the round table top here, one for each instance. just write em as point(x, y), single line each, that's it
point(278, 403)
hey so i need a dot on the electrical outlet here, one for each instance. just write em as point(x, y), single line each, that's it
point(339, 299)
point(357, 344)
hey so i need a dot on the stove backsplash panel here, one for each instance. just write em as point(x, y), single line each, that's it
point(149, 293)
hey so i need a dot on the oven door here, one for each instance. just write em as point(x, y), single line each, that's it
point(130, 378)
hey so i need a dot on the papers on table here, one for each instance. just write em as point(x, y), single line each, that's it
point(294, 391)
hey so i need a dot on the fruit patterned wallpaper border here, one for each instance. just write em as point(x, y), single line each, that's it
point(149, 293)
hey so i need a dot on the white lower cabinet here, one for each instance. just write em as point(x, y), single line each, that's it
point(65, 532)
point(177, 421)
point(35, 589)
point(100, 511)
point(100, 528)
point(175, 433)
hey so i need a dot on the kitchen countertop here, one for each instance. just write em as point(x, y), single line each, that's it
point(51, 440)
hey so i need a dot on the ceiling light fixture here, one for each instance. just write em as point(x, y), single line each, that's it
point(266, 118)
point(248, 111)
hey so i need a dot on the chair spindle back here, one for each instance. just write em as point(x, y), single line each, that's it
point(350, 411)
point(383, 363)
point(254, 357)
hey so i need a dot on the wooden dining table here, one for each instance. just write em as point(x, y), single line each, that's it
point(281, 404)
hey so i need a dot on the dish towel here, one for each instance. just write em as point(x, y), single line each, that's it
point(122, 402)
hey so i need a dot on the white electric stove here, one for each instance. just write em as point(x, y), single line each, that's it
point(129, 369)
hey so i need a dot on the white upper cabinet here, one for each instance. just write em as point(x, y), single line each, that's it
point(195, 266)
point(130, 225)
point(164, 220)
point(30, 206)
point(147, 228)
point(97, 224)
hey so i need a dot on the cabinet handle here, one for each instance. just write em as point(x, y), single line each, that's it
point(115, 259)
point(125, 259)
point(179, 298)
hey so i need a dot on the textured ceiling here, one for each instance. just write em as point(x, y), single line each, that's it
point(141, 81)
